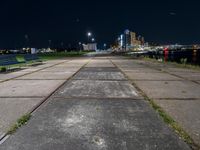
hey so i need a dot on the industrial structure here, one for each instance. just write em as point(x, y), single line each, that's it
point(90, 47)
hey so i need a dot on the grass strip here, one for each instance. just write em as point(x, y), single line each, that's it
point(170, 121)
point(20, 122)
point(180, 65)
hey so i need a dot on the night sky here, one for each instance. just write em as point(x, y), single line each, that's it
point(169, 21)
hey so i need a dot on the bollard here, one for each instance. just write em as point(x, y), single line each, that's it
point(166, 52)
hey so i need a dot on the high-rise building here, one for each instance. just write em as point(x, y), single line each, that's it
point(135, 41)
point(129, 40)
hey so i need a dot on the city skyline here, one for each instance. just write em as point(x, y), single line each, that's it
point(38, 22)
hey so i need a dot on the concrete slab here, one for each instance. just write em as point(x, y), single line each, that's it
point(195, 76)
point(170, 89)
point(151, 76)
point(28, 88)
point(100, 75)
point(74, 63)
point(140, 70)
point(69, 65)
point(129, 62)
point(98, 89)
point(30, 69)
point(186, 113)
point(163, 66)
point(12, 109)
point(61, 69)
point(40, 66)
point(48, 76)
point(130, 65)
point(95, 125)
point(184, 70)
point(11, 75)
point(56, 61)
point(100, 65)
point(100, 69)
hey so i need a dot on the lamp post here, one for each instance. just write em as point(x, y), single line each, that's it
point(104, 45)
point(80, 46)
point(49, 44)
point(89, 34)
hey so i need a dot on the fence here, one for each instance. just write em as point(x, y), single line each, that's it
point(191, 56)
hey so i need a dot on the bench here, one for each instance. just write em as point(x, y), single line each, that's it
point(7, 60)
point(32, 57)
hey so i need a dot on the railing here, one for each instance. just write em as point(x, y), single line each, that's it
point(191, 56)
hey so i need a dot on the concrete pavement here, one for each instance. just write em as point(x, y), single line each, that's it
point(176, 90)
point(96, 109)
point(22, 91)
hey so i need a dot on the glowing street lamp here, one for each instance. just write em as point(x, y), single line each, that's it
point(89, 34)
point(105, 45)
point(93, 39)
point(80, 45)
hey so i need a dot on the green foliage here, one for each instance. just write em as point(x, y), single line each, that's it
point(184, 61)
point(20, 122)
point(173, 124)
point(49, 56)
point(170, 121)
point(181, 65)
point(3, 69)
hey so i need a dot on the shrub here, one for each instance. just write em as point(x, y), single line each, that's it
point(183, 61)
point(3, 69)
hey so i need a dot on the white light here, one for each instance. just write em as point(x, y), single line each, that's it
point(121, 42)
point(89, 34)
point(93, 39)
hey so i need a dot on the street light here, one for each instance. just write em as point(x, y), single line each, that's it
point(80, 45)
point(89, 34)
point(104, 46)
point(49, 44)
point(93, 39)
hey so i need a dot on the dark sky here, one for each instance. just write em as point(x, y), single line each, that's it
point(168, 21)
